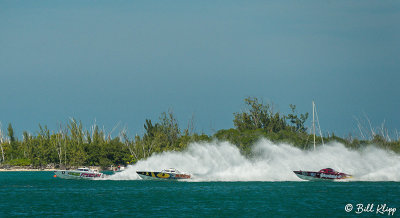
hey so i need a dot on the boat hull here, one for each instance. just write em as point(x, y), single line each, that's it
point(72, 174)
point(318, 176)
point(161, 176)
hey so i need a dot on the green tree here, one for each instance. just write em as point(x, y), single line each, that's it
point(296, 121)
point(256, 116)
point(13, 152)
point(10, 133)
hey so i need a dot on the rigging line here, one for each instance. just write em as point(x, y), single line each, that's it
point(319, 127)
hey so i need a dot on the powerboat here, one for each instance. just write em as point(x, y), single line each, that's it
point(167, 174)
point(80, 173)
point(327, 174)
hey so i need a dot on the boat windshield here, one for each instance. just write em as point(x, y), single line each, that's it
point(327, 170)
point(171, 170)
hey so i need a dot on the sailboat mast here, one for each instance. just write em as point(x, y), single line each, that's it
point(313, 121)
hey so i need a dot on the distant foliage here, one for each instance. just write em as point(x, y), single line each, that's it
point(71, 145)
point(258, 115)
point(258, 120)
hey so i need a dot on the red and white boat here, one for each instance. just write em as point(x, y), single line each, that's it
point(324, 174)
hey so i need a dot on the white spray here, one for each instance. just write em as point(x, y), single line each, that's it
point(222, 161)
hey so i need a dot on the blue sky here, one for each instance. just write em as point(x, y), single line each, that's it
point(125, 61)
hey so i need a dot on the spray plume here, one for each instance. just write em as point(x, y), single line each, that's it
point(222, 161)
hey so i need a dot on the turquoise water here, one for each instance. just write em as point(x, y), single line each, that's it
point(39, 194)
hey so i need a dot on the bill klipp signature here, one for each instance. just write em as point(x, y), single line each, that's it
point(371, 208)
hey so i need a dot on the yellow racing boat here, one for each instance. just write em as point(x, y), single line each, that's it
point(167, 174)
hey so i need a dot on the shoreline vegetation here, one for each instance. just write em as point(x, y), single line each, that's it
point(18, 169)
point(71, 145)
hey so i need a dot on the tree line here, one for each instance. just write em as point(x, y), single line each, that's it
point(71, 145)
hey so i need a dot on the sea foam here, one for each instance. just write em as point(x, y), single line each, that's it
point(222, 161)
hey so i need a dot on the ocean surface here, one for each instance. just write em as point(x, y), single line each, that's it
point(28, 194)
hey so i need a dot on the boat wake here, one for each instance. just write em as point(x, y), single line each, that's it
point(222, 161)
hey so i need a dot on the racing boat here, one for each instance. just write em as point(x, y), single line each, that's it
point(327, 174)
point(324, 174)
point(80, 173)
point(166, 174)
